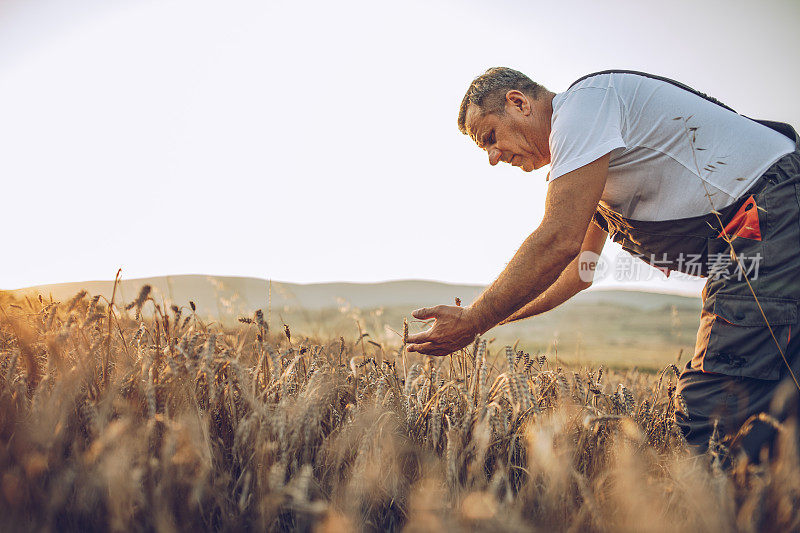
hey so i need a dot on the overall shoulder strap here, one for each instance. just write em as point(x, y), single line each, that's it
point(683, 86)
point(781, 127)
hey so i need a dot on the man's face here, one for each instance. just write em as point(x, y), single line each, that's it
point(517, 136)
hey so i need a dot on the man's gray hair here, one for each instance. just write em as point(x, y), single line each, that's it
point(488, 92)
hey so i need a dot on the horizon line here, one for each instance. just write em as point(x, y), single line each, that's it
point(593, 288)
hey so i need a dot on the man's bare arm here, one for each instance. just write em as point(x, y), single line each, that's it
point(571, 201)
point(572, 280)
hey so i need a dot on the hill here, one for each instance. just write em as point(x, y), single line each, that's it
point(618, 327)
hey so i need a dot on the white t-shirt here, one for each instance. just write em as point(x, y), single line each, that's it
point(653, 174)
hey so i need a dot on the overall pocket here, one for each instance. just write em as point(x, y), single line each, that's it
point(734, 339)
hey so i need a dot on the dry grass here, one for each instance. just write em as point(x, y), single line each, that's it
point(149, 419)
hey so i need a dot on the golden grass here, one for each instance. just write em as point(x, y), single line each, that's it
point(148, 419)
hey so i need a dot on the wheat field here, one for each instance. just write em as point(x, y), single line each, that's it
point(149, 419)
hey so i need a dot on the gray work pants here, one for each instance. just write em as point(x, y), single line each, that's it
point(740, 363)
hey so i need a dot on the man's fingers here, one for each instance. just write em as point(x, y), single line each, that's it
point(423, 348)
point(425, 313)
point(418, 337)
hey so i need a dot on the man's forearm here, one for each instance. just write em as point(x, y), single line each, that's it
point(569, 207)
point(536, 266)
point(565, 287)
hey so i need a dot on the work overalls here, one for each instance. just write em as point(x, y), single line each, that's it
point(738, 362)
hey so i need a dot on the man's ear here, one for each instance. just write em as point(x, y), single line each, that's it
point(518, 100)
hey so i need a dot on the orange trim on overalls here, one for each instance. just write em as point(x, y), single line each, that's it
point(745, 222)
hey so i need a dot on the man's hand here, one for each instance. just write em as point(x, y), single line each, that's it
point(454, 328)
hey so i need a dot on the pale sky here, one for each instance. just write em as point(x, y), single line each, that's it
point(316, 141)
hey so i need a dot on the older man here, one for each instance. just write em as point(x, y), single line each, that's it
point(679, 180)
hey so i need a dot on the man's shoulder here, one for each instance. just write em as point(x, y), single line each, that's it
point(582, 97)
point(602, 80)
point(594, 87)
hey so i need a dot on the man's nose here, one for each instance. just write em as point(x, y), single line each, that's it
point(494, 156)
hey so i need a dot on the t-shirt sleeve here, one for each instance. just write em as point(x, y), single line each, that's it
point(586, 126)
